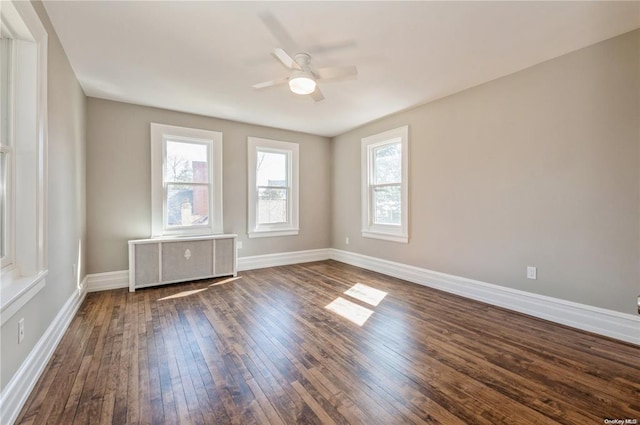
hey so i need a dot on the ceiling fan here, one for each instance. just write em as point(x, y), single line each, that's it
point(303, 77)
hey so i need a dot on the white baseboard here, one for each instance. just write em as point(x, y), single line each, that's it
point(283, 259)
point(108, 280)
point(15, 394)
point(625, 327)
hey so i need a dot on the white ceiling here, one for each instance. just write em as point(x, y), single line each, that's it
point(203, 57)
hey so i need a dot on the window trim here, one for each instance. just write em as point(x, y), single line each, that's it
point(291, 227)
point(7, 262)
point(213, 139)
point(23, 279)
point(370, 229)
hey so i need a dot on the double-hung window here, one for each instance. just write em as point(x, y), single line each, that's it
point(6, 153)
point(384, 185)
point(186, 172)
point(273, 188)
point(23, 156)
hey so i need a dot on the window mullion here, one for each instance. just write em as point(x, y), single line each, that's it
point(387, 184)
point(273, 187)
point(167, 183)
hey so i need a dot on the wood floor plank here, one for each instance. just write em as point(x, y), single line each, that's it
point(264, 349)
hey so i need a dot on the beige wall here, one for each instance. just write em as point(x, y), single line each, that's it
point(537, 168)
point(66, 224)
point(119, 182)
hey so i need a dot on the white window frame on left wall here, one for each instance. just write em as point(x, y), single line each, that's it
point(26, 275)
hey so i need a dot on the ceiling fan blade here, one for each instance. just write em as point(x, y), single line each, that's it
point(285, 59)
point(317, 95)
point(331, 47)
point(336, 72)
point(271, 83)
point(279, 32)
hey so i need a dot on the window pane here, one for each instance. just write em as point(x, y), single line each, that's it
point(387, 164)
point(187, 205)
point(186, 162)
point(272, 205)
point(271, 169)
point(387, 205)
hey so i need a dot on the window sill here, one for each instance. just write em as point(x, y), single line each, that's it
point(273, 233)
point(17, 291)
point(182, 236)
point(385, 236)
point(186, 232)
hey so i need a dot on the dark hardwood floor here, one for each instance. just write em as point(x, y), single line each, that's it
point(263, 349)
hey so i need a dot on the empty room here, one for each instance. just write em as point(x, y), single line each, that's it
point(319, 212)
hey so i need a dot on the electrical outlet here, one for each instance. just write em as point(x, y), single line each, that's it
point(239, 244)
point(532, 272)
point(346, 240)
point(20, 330)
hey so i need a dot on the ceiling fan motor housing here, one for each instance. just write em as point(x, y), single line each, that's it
point(304, 61)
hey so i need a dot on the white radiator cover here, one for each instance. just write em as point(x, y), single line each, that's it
point(160, 261)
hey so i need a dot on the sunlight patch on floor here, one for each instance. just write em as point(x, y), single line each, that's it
point(350, 310)
point(195, 291)
point(182, 294)
point(367, 294)
point(222, 282)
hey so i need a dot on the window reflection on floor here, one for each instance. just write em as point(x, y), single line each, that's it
point(367, 294)
point(350, 310)
point(355, 312)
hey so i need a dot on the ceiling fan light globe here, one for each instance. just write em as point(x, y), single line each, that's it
point(302, 85)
